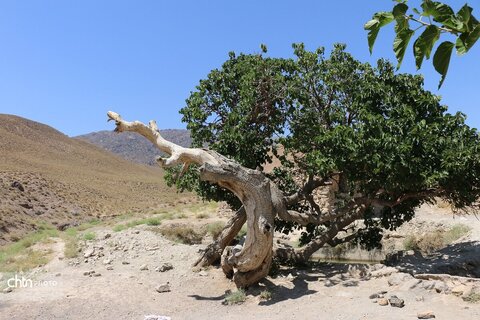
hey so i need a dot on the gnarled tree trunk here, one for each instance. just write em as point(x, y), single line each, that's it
point(251, 262)
point(262, 202)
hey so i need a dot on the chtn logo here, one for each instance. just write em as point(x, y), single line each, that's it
point(22, 282)
point(17, 282)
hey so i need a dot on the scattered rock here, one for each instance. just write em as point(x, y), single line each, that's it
point(426, 315)
point(89, 273)
point(441, 286)
point(107, 261)
point(383, 272)
point(378, 295)
point(459, 290)
point(163, 288)
point(165, 267)
point(419, 298)
point(428, 285)
point(136, 231)
point(125, 262)
point(399, 278)
point(58, 275)
point(153, 317)
point(383, 302)
point(7, 290)
point(143, 267)
point(203, 274)
point(110, 268)
point(97, 274)
point(106, 236)
point(17, 185)
point(396, 302)
point(63, 226)
point(26, 205)
point(89, 252)
point(410, 284)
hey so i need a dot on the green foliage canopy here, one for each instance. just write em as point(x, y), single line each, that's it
point(383, 136)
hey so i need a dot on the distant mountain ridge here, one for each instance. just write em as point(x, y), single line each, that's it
point(134, 147)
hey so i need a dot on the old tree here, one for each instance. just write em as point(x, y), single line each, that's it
point(387, 145)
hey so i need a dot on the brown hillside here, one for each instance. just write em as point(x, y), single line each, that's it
point(66, 180)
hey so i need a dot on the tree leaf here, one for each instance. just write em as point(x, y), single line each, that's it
point(399, 10)
point(464, 15)
point(379, 20)
point(466, 40)
point(441, 59)
point(372, 36)
point(400, 44)
point(423, 45)
point(437, 10)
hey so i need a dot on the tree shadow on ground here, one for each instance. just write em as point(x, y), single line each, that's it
point(293, 282)
point(460, 259)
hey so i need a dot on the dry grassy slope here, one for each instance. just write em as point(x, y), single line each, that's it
point(67, 180)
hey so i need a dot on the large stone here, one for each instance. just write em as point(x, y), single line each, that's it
point(383, 302)
point(89, 252)
point(165, 267)
point(426, 315)
point(396, 302)
point(399, 278)
point(163, 288)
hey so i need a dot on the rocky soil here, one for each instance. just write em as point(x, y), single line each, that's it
point(138, 274)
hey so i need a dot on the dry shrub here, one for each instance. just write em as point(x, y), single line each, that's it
point(181, 233)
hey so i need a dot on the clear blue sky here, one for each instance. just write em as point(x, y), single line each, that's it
point(65, 63)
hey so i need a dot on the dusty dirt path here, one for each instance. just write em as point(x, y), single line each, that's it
point(126, 292)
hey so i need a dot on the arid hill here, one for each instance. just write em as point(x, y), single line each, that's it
point(132, 146)
point(45, 176)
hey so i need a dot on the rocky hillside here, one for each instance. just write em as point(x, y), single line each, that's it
point(132, 146)
point(46, 176)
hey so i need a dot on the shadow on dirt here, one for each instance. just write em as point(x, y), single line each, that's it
point(461, 259)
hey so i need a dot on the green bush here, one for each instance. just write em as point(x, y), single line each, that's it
point(236, 297)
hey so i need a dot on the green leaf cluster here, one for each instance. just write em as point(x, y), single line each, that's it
point(436, 18)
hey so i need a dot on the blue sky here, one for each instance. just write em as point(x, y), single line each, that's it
point(66, 63)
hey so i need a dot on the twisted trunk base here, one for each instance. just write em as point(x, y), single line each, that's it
point(248, 263)
point(213, 252)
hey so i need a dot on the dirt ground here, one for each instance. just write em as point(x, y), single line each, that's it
point(116, 277)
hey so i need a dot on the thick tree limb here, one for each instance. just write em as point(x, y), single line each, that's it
point(345, 217)
point(307, 189)
point(213, 251)
point(250, 262)
point(178, 154)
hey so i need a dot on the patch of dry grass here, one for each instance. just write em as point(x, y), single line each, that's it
point(435, 240)
point(182, 234)
point(215, 228)
point(19, 256)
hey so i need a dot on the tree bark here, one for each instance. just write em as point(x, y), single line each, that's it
point(213, 252)
point(250, 262)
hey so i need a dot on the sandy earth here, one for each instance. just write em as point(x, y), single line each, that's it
point(327, 291)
